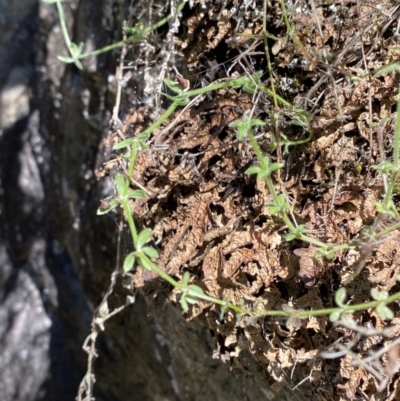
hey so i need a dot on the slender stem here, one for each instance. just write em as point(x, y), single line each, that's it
point(174, 105)
point(164, 275)
point(292, 34)
point(137, 35)
point(388, 199)
point(295, 313)
point(396, 148)
point(131, 223)
point(132, 158)
point(64, 29)
point(273, 91)
point(146, 133)
point(257, 149)
point(213, 87)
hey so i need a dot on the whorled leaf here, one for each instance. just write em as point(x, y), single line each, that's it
point(129, 262)
point(143, 237)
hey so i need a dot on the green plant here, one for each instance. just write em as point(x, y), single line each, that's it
point(144, 255)
point(390, 169)
point(191, 293)
point(279, 206)
point(135, 34)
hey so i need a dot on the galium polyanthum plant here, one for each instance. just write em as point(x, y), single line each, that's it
point(190, 293)
point(143, 254)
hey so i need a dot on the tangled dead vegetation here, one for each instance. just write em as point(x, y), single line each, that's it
point(209, 218)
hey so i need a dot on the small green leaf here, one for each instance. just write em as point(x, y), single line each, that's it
point(129, 262)
point(67, 60)
point(301, 118)
point(150, 252)
point(241, 313)
point(273, 209)
point(143, 237)
point(297, 123)
point(265, 162)
point(330, 255)
point(375, 293)
point(379, 207)
point(76, 50)
point(243, 126)
point(301, 229)
point(281, 206)
point(257, 122)
point(174, 86)
point(136, 194)
point(123, 144)
point(272, 146)
point(385, 166)
point(379, 295)
point(145, 262)
point(274, 166)
point(384, 312)
point(297, 234)
point(326, 252)
point(335, 316)
point(348, 321)
point(190, 291)
point(135, 30)
point(289, 237)
point(257, 76)
point(120, 183)
point(70, 60)
point(184, 303)
point(185, 279)
point(387, 68)
point(78, 64)
point(192, 295)
point(340, 296)
point(283, 203)
point(225, 306)
point(195, 289)
point(242, 132)
point(390, 210)
point(236, 123)
point(250, 84)
point(238, 83)
point(143, 136)
point(253, 170)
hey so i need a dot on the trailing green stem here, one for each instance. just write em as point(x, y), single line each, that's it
point(137, 33)
point(64, 29)
point(293, 35)
point(388, 199)
point(129, 218)
point(252, 312)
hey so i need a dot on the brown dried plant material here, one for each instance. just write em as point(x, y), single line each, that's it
point(355, 377)
point(209, 216)
point(216, 34)
point(183, 244)
point(386, 264)
point(311, 268)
